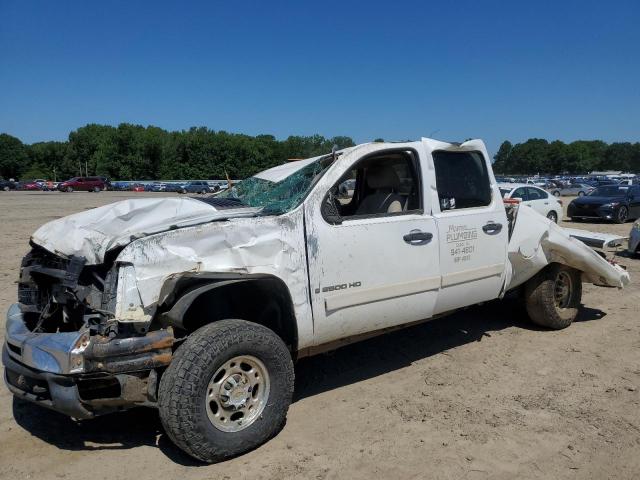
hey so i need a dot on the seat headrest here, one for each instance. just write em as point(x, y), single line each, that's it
point(382, 176)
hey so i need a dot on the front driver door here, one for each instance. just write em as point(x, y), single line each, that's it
point(376, 270)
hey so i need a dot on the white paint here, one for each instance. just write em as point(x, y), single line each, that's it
point(398, 283)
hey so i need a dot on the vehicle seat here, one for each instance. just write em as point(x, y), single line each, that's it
point(384, 182)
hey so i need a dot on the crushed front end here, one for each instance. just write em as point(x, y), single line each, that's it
point(77, 341)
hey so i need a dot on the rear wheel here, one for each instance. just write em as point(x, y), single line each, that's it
point(69, 189)
point(556, 193)
point(553, 296)
point(183, 191)
point(227, 390)
point(581, 194)
point(96, 189)
point(553, 216)
point(622, 215)
point(203, 192)
point(6, 188)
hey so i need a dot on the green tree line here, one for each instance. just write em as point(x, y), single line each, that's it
point(134, 152)
point(540, 156)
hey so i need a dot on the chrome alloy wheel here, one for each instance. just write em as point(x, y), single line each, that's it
point(237, 393)
point(563, 289)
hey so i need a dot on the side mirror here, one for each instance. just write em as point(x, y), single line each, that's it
point(330, 211)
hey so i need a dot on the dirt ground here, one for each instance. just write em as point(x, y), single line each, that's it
point(480, 394)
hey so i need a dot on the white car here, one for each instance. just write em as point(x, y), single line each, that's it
point(534, 197)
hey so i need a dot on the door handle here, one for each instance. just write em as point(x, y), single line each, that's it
point(492, 228)
point(417, 237)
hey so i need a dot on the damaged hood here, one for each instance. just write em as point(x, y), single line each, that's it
point(92, 233)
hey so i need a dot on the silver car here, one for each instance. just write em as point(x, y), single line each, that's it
point(634, 239)
point(578, 189)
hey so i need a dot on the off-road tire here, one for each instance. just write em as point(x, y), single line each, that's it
point(540, 298)
point(183, 388)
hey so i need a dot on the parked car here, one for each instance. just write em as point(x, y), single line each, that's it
point(82, 184)
point(634, 239)
point(573, 189)
point(199, 306)
point(195, 187)
point(534, 197)
point(618, 203)
point(156, 187)
point(6, 185)
point(30, 185)
point(106, 182)
point(138, 187)
point(121, 186)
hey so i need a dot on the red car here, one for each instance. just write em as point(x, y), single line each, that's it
point(138, 187)
point(30, 185)
point(83, 184)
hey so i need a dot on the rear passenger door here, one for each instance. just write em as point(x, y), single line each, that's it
point(472, 224)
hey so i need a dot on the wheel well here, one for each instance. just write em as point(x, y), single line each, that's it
point(264, 300)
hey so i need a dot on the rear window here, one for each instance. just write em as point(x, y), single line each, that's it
point(462, 180)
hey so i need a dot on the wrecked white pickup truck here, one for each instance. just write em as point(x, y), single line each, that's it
point(199, 306)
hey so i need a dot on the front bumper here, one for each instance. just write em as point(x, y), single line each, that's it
point(82, 375)
point(586, 212)
point(56, 392)
point(59, 353)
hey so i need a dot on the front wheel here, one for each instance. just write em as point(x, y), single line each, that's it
point(553, 216)
point(227, 390)
point(556, 193)
point(69, 189)
point(581, 194)
point(553, 296)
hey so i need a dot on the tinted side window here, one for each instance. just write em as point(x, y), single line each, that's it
point(462, 180)
point(520, 193)
point(536, 194)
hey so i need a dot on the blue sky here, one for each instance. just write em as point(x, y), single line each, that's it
point(398, 70)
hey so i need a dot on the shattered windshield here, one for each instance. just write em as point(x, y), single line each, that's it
point(275, 198)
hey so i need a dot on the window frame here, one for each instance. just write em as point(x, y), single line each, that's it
point(417, 170)
point(540, 192)
point(487, 171)
point(524, 197)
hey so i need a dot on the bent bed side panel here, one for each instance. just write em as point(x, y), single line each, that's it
point(537, 242)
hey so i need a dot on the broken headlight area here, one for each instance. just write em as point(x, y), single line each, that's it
point(66, 319)
point(61, 295)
